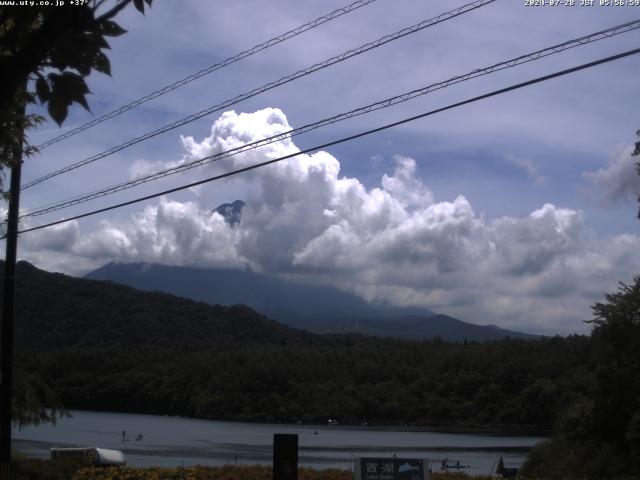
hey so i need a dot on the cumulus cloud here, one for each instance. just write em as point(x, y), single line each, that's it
point(58, 238)
point(141, 168)
point(618, 181)
point(170, 232)
point(394, 242)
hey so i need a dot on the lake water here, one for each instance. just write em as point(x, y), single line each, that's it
point(172, 441)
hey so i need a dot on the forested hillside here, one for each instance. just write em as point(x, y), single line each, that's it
point(55, 311)
point(315, 308)
point(109, 347)
point(511, 383)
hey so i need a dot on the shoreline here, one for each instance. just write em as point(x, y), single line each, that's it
point(502, 430)
point(172, 441)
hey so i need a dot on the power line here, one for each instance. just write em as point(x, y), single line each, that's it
point(206, 71)
point(286, 79)
point(345, 139)
point(522, 59)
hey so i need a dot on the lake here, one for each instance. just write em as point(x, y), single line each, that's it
point(174, 441)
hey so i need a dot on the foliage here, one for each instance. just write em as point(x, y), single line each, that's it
point(560, 458)
point(599, 437)
point(228, 473)
point(354, 380)
point(204, 473)
point(34, 401)
point(636, 152)
point(73, 469)
point(38, 469)
point(13, 123)
point(46, 52)
point(55, 311)
point(110, 347)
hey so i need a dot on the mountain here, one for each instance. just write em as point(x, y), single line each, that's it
point(442, 326)
point(108, 347)
point(231, 212)
point(56, 311)
point(319, 309)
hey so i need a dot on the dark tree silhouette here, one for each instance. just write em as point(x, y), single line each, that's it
point(45, 54)
point(599, 436)
point(636, 153)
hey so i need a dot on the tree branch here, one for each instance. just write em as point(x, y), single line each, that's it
point(113, 12)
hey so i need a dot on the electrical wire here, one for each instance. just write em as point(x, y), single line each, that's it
point(522, 59)
point(284, 80)
point(206, 71)
point(345, 139)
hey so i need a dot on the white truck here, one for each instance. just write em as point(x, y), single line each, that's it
point(92, 455)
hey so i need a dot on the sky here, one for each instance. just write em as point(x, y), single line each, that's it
point(518, 210)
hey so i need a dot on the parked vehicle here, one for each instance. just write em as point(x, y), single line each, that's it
point(92, 455)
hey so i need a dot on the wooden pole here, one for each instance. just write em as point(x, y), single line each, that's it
point(6, 330)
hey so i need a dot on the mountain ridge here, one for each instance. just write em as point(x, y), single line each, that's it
point(109, 347)
point(56, 309)
point(318, 309)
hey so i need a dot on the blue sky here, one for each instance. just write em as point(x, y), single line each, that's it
point(517, 210)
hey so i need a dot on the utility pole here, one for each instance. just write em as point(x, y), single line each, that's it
point(8, 297)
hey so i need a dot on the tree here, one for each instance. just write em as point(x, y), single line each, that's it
point(45, 54)
point(636, 153)
point(599, 436)
point(616, 335)
point(34, 401)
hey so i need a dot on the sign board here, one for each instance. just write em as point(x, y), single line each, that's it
point(370, 468)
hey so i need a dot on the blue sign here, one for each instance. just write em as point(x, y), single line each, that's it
point(368, 468)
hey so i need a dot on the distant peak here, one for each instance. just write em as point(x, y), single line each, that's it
point(231, 212)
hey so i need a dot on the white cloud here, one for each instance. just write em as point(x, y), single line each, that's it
point(528, 166)
point(405, 187)
point(393, 242)
point(618, 181)
point(170, 232)
point(141, 168)
point(58, 238)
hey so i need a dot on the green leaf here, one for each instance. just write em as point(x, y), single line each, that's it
point(58, 109)
point(29, 97)
point(111, 29)
point(82, 101)
point(89, 54)
point(101, 63)
point(83, 66)
point(74, 83)
point(139, 4)
point(66, 89)
point(42, 89)
point(74, 88)
point(74, 51)
point(99, 41)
